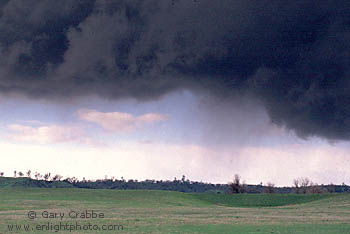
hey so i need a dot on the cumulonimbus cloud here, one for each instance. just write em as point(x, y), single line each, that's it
point(293, 56)
point(119, 121)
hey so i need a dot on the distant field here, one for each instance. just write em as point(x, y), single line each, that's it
point(141, 211)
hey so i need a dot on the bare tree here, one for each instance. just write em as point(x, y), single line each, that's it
point(305, 181)
point(47, 176)
point(37, 175)
point(29, 172)
point(331, 188)
point(244, 187)
point(183, 179)
point(75, 179)
point(57, 177)
point(304, 184)
point(71, 180)
point(270, 188)
point(315, 188)
point(296, 183)
point(236, 186)
point(68, 179)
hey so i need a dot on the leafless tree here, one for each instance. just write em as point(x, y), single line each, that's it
point(29, 172)
point(47, 176)
point(37, 175)
point(68, 179)
point(296, 183)
point(305, 181)
point(270, 188)
point(57, 177)
point(315, 188)
point(72, 180)
point(244, 187)
point(236, 186)
point(304, 184)
point(331, 188)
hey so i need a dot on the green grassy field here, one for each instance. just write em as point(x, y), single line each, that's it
point(174, 212)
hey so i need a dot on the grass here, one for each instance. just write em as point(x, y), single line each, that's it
point(173, 212)
point(261, 200)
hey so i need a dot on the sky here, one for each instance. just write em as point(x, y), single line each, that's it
point(160, 89)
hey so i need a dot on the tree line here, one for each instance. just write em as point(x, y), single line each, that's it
point(301, 185)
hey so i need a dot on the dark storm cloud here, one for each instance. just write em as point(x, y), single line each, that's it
point(293, 55)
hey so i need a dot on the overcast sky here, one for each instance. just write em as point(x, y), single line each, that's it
point(159, 89)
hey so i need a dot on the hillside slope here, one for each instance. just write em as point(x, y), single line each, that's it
point(24, 182)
